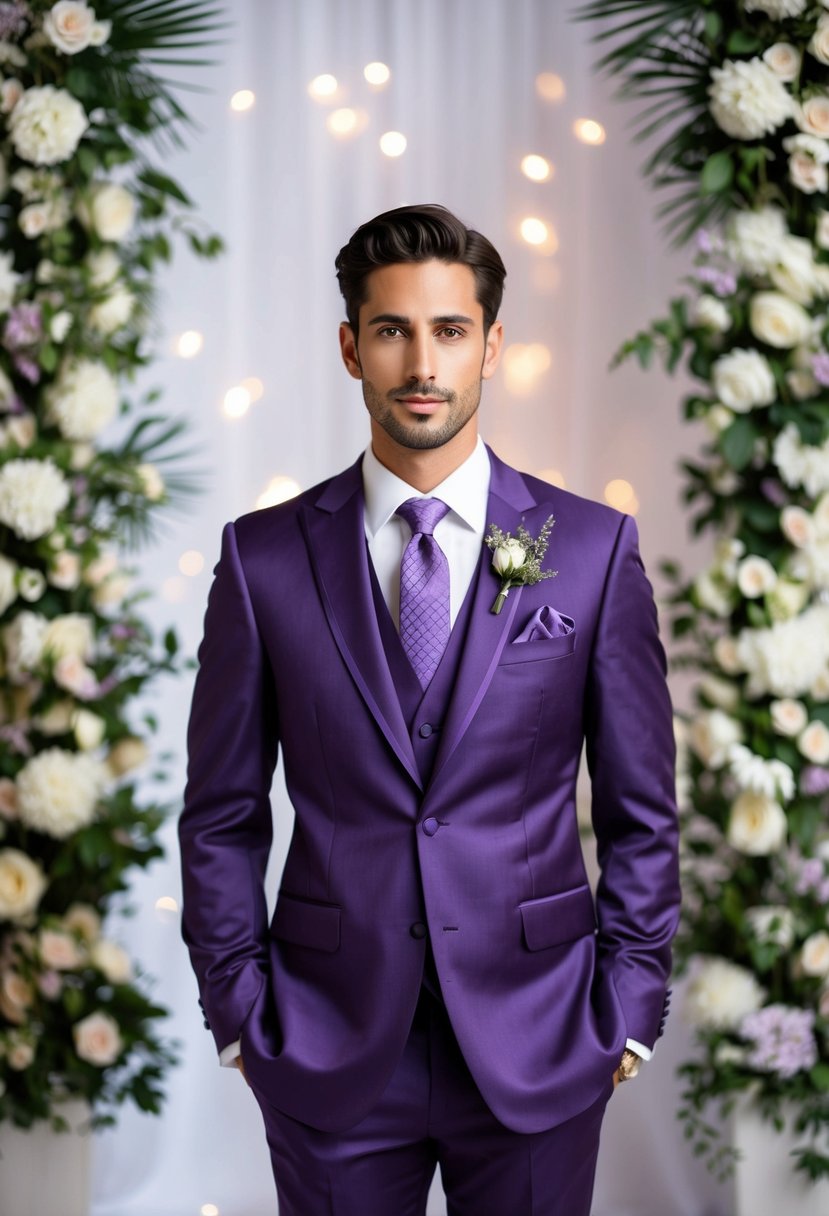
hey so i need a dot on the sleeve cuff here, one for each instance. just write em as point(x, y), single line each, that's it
point(641, 1050)
point(230, 1054)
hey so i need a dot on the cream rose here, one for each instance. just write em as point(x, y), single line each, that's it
point(58, 791)
point(69, 26)
point(743, 379)
point(747, 100)
point(797, 526)
point(76, 677)
point(57, 719)
point(784, 60)
point(152, 483)
point(23, 644)
point(113, 312)
point(9, 279)
point(22, 884)
point(778, 321)
point(65, 571)
point(813, 742)
point(20, 1052)
point(126, 755)
point(721, 994)
point(707, 312)
point(794, 272)
point(59, 951)
point(83, 920)
point(32, 494)
point(108, 210)
point(819, 42)
point(711, 734)
point(89, 729)
point(755, 576)
point(712, 595)
point(112, 960)
point(757, 825)
point(46, 125)
point(721, 693)
point(788, 717)
point(814, 954)
point(70, 634)
point(727, 655)
point(812, 117)
point(98, 1040)
point(8, 799)
point(16, 996)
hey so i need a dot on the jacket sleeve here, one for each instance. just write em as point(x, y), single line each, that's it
point(226, 828)
point(631, 756)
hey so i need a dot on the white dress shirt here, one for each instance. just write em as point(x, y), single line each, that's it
point(460, 535)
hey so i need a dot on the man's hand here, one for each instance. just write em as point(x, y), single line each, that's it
point(616, 1077)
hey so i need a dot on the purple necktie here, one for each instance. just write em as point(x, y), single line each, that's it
point(424, 588)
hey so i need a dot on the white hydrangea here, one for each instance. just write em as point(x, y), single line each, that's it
point(794, 271)
point(711, 735)
point(58, 790)
point(720, 994)
point(113, 311)
point(83, 399)
point(747, 99)
point(788, 657)
point(742, 379)
point(754, 238)
point(801, 464)
point(779, 9)
point(8, 587)
point(752, 772)
point(22, 883)
point(47, 125)
point(772, 923)
point(32, 495)
point(23, 644)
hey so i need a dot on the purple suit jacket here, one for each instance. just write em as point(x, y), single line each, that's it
point(542, 983)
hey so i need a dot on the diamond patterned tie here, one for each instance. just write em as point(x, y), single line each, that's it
point(424, 588)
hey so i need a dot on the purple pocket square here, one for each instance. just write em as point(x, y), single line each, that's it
point(546, 623)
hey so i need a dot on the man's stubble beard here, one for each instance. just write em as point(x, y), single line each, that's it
point(418, 434)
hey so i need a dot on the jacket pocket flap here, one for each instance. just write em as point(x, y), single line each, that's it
point(556, 919)
point(545, 648)
point(307, 924)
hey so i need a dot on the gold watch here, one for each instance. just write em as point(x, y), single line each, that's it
point(629, 1065)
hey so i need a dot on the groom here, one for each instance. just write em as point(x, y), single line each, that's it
point(437, 984)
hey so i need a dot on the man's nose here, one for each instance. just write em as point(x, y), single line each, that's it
point(421, 358)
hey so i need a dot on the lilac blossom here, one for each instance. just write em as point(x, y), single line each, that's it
point(723, 282)
point(782, 1039)
point(820, 367)
point(24, 326)
point(703, 241)
point(772, 490)
point(14, 18)
point(814, 779)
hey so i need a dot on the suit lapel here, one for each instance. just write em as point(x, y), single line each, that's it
point(509, 499)
point(335, 535)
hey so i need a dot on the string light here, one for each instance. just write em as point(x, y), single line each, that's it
point(536, 168)
point(236, 402)
point(244, 99)
point(549, 86)
point(324, 87)
point(393, 143)
point(534, 231)
point(174, 590)
point(191, 562)
point(166, 907)
point(554, 477)
point(346, 122)
point(589, 131)
point(208, 1209)
point(524, 365)
point(254, 386)
point(189, 343)
point(279, 489)
point(621, 495)
point(377, 74)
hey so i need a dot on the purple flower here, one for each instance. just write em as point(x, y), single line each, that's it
point(27, 368)
point(814, 779)
point(13, 20)
point(773, 491)
point(820, 367)
point(811, 874)
point(782, 1039)
point(121, 633)
point(723, 282)
point(703, 241)
point(24, 326)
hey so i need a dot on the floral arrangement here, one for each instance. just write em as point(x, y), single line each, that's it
point(517, 559)
point(739, 94)
point(84, 470)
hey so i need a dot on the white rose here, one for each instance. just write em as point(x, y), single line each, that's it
point(16, 996)
point(822, 229)
point(22, 883)
point(727, 655)
point(814, 954)
point(9, 278)
point(83, 399)
point(57, 719)
point(820, 686)
point(113, 312)
point(23, 643)
point(101, 31)
point(721, 994)
point(108, 210)
point(47, 125)
point(152, 483)
point(126, 755)
point(755, 576)
point(813, 743)
point(69, 634)
point(707, 312)
point(509, 557)
point(758, 775)
point(801, 464)
point(89, 729)
point(786, 599)
point(742, 379)
point(68, 26)
point(45, 215)
point(819, 44)
point(111, 591)
point(11, 91)
point(784, 60)
point(31, 584)
point(802, 383)
point(60, 325)
point(58, 791)
point(112, 960)
point(754, 238)
point(807, 175)
point(83, 920)
point(65, 571)
point(20, 1053)
point(32, 494)
point(778, 321)
point(712, 595)
point(104, 266)
point(788, 717)
point(797, 526)
point(794, 272)
point(788, 657)
point(747, 100)
point(812, 116)
point(757, 825)
point(97, 1039)
point(8, 583)
point(21, 430)
point(718, 419)
point(772, 923)
point(59, 951)
point(711, 734)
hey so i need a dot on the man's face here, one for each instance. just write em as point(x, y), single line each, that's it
point(421, 353)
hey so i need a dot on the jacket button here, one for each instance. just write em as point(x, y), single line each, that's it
point(430, 826)
point(425, 730)
point(418, 929)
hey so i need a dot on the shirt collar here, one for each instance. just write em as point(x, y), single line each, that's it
point(465, 491)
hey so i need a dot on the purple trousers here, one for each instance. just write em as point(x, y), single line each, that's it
point(430, 1114)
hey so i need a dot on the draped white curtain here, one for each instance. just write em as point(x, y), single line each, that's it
point(287, 194)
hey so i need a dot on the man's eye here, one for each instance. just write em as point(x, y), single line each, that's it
point(389, 331)
point(449, 331)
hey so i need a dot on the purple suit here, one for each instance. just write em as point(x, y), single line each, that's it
point(486, 852)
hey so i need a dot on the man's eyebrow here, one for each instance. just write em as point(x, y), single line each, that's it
point(391, 318)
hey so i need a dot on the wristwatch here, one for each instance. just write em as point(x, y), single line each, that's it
point(629, 1065)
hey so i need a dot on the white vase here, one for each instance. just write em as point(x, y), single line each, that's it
point(46, 1173)
point(766, 1182)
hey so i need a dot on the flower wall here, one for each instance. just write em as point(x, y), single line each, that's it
point(736, 109)
point(85, 466)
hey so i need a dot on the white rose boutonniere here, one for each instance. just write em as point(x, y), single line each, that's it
point(517, 559)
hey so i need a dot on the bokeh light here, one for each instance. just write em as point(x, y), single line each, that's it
point(189, 343)
point(377, 74)
point(191, 562)
point(620, 494)
point(589, 131)
point(536, 168)
point(539, 234)
point(524, 365)
point(393, 143)
point(550, 86)
point(174, 590)
point(279, 489)
point(236, 402)
point(554, 477)
point(244, 99)
point(254, 386)
point(345, 122)
point(324, 87)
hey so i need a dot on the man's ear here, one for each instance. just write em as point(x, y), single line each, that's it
point(492, 350)
point(348, 350)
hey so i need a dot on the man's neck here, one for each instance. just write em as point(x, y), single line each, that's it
point(423, 468)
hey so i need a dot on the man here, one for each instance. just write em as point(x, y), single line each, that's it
point(432, 987)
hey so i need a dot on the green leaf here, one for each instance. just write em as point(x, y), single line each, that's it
point(820, 1077)
point(737, 443)
point(742, 43)
point(717, 173)
point(713, 26)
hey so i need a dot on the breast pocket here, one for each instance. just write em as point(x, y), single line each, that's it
point(533, 652)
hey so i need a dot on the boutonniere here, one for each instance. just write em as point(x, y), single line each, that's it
point(517, 559)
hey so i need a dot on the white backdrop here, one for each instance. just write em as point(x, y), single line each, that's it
point(286, 194)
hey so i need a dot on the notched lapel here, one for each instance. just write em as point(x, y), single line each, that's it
point(335, 536)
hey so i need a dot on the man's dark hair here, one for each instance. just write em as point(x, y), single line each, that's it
point(418, 234)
